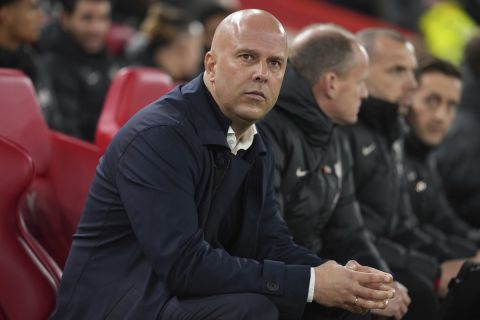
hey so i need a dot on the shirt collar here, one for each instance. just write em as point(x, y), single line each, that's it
point(244, 142)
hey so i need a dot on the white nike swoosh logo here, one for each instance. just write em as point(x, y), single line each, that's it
point(368, 149)
point(301, 173)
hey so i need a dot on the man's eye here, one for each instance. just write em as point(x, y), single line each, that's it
point(246, 57)
point(275, 63)
point(432, 101)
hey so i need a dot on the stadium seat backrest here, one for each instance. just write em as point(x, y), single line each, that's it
point(64, 166)
point(21, 119)
point(132, 89)
point(27, 289)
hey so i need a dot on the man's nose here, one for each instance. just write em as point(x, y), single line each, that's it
point(261, 71)
point(411, 83)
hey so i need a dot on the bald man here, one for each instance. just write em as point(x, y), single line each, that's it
point(181, 220)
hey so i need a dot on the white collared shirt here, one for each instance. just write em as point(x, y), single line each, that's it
point(244, 142)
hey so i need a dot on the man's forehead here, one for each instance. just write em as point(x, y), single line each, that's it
point(258, 40)
point(433, 79)
point(404, 58)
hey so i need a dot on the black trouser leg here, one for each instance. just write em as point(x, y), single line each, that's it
point(424, 304)
point(241, 306)
point(314, 311)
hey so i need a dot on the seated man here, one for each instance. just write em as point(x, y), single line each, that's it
point(181, 219)
point(323, 88)
point(459, 153)
point(376, 144)
point(75, 57)
point(433, 108)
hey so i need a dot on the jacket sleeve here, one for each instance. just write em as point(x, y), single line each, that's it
point(156, 178)
point(411, 235)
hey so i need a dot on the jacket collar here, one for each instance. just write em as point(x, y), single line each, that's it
point(416, 148)
point(382, 116)
point(297, 101)
point(212, 125)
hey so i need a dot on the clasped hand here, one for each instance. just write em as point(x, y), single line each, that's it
point(353, 287)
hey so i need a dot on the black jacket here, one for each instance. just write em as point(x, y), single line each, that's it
point(429, 202)
point(376, 143)
point(26, 60)
point(459, 154)
point(80, 82)
point(313, 178)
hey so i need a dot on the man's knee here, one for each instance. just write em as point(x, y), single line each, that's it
point(251, 306)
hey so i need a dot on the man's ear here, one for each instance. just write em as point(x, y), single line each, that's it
point(331, 84)
point(210, 62)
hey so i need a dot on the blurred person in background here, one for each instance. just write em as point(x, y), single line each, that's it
point(433, 108)
point(376, 149)
point(170, 40)
point(20, 23)
point(323, 88)
point(458, 155)
point(377, 142)
point(75, 56)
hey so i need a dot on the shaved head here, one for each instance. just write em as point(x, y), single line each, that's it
point(236, 23)
point(245, 67)
point(392, 65)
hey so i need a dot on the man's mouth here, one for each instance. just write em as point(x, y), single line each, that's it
point(259, 95)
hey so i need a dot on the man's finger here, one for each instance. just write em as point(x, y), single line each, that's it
point(366, 278)
point(352, 265)
point(370, 270)
point(372, 294)
point(379, 286)
point(355, 308)
point(370, 304)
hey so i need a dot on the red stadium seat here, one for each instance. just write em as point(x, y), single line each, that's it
point(64, 166)
point(28, 287)
point(131, 89)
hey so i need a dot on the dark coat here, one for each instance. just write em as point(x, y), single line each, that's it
point(313, 177)
point(429, 202)
point(459, 153)
point(376, 143)
point(26, 60)
point(80, 82)
point(172, 212)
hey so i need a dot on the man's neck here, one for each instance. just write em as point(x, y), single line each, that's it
point(7, 42)
point(240, 130)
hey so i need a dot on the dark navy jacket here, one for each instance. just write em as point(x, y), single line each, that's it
point(159, 220)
